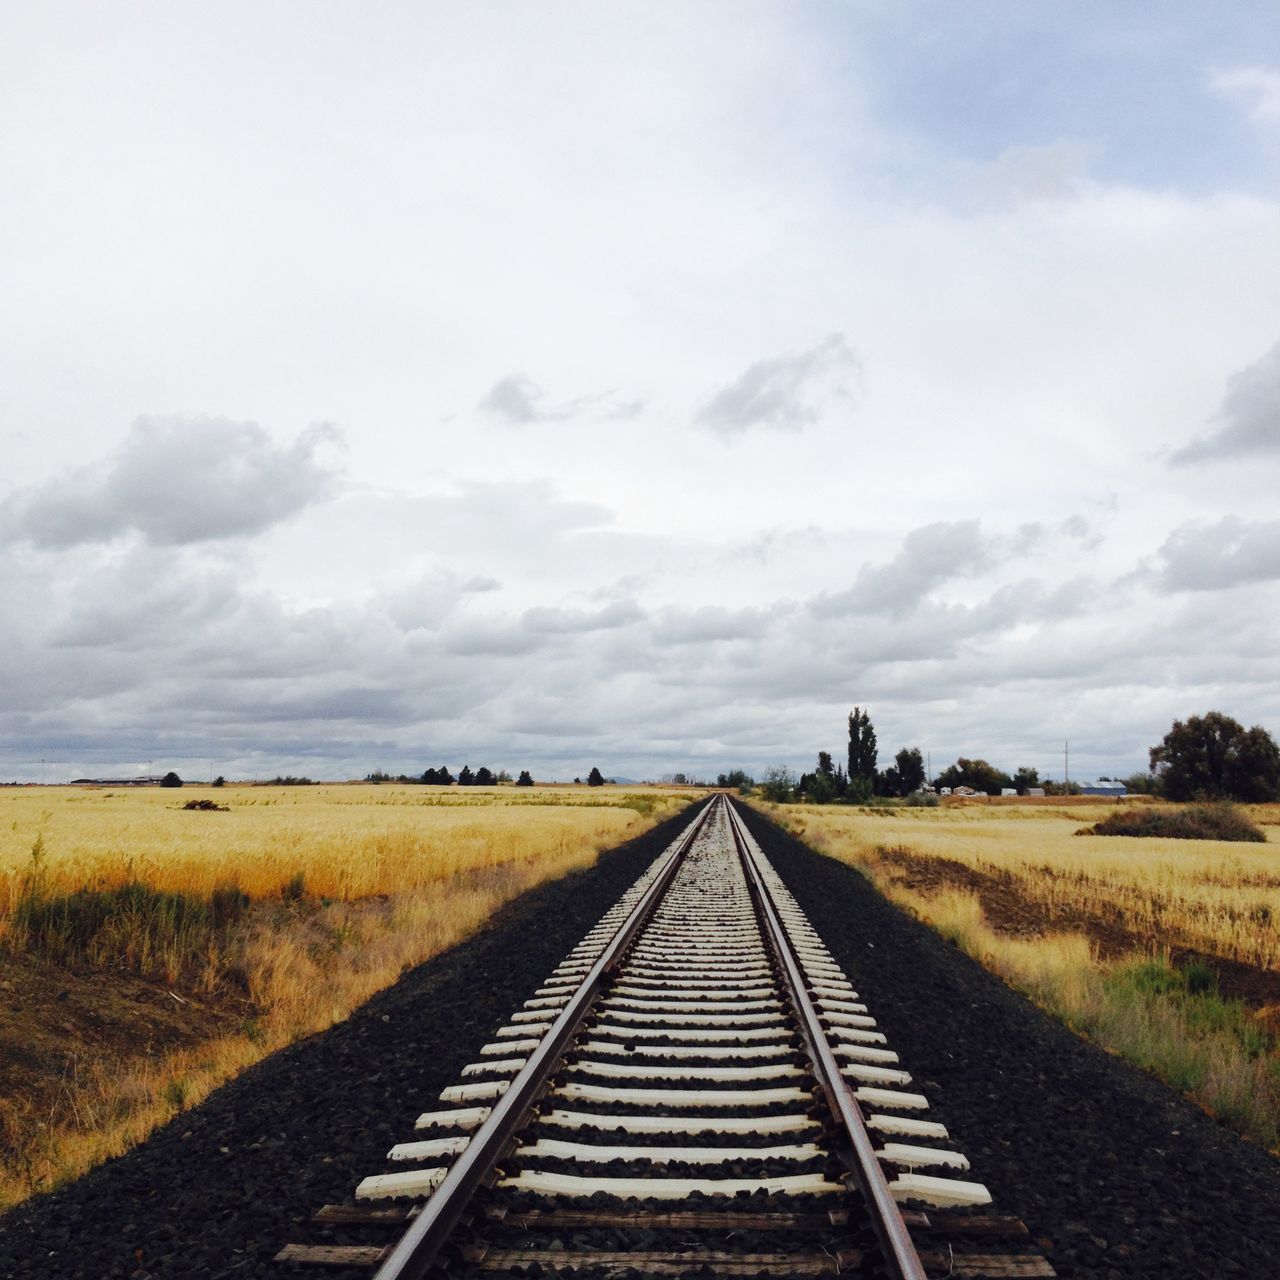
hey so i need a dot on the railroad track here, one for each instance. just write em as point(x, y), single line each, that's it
point(697, 1089)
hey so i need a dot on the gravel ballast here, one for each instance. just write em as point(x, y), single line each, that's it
point(1119, 1176)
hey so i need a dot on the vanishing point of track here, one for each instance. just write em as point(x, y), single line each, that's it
point(697, 1089)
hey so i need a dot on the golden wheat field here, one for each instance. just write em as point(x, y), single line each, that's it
point(1163, 951)
point(181, 946)
point(346, 841)
point(1202, 894)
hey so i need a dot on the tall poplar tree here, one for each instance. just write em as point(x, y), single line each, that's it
point(862, 750)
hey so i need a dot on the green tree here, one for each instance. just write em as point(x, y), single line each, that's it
point(1026, 778)
point(525, 779)
point(171, 779)
point(484, 776)
point(778, 784)
point(595, 778)
point(735, 778)
point(904, 775)
point(862, 749)
point(1215, 757)
point(977, 774)
point(466, 778)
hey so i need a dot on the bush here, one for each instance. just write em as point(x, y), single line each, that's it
point(171, 779)
point(1195, 822)
point(778, 785)
point(922, 800)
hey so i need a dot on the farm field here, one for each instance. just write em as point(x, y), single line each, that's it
point(149, 952)
point(1164, 951)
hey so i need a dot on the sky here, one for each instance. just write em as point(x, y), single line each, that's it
point(643, 386)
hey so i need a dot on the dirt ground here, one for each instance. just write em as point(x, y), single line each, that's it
point(59, 1027)
point(1008, 912)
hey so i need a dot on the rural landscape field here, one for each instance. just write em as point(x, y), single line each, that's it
point(1166, 951)
point(151, 950)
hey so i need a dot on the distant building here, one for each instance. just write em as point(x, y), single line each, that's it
point(1035, 791)
point(1008, 791)
point(1102, 789)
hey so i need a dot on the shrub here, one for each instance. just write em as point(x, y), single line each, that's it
point(1196, 822)
point(922, 800)
point(171, 779)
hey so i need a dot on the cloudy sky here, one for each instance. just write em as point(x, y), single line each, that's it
point(543, 385)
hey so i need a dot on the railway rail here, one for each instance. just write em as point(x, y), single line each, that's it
point(696, 1089)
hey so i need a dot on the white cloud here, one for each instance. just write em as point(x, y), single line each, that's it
point(1254, 89)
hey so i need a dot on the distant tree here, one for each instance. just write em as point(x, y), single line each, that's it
point(378, 776)
point(977, 774)
point(735, 778)
point(440, 777)
point(502, 776)
point(778, 784)
point(1025, 778)
point(910, 766)
point(484, 777)
point(820, 787)
point(577, 782)
point(825, 766)
point(862, 749)
point(1215, 757)
point(595, 778)
point(219, 781)
point(525, 779)
point(171, 779)
point(466, 778)
point(1052, 788)
point(904, 775)
point(1141, 784)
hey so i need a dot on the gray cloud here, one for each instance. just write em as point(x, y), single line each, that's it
point(620, 613)
point(930, 556)
point(519, 401)
point(175, 480)
point(784, 393)
point(1200, 557)
point(1249, 419)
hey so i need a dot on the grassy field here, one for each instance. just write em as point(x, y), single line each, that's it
point(1164, 951)
point(150, 952)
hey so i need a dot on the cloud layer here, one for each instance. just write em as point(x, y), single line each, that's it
point(175, 481)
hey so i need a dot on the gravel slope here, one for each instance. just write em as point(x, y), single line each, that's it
point(1124, 1177)
point(1121, 1176)
point(218, 1190)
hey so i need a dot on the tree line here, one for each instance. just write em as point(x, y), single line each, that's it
point(482, 777)
point(1209, 757)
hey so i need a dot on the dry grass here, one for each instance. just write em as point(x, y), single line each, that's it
point(1216, 898)
point(1203, 894)
point(338, 889)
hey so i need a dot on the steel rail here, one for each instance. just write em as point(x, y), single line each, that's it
point(895, 1240)
point(420, 1245)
